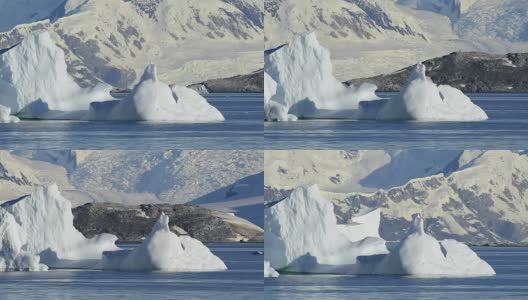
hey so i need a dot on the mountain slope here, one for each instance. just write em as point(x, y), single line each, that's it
point(113, 40)
point(477, 197)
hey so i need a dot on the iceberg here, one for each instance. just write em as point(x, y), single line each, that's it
point(302, 235)
point(34, 82)
point(5, 115)
point(274, 111)
point(153, 100)
point(163, 250)
point(422, 100)
point(422, 255)
point(269, 271)
point(306, 86)
point(37, 233)
point(42, 225)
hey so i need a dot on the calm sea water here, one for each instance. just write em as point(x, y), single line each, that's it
point(243, 280)
point(242, 130)
point(507, 128)
point(511, 282)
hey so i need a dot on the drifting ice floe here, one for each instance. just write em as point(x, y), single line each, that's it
point(37, 232)
point(153, 100)
point(306, 86)
point(269, 271)
point(5, 115)
point(34, 82)
point(163, 250)
point(301, 235)
point(421, 99)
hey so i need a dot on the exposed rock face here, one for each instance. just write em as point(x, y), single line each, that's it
point(249, 83)
point(471, 72)
point(133, 223)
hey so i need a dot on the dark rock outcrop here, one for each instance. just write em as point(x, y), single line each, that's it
point(133, 223)
point(250, 83)
point(471, 72)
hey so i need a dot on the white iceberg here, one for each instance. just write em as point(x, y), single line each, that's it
point(6, 117)
point(422, 255)
point(422, 100)
point(43, 226)
point(306, 86)
point(301, 235)
point(269, 271)
point(274, 111)
point(37, 232)
point(163, 250)
point(153, 100)
point(34, 82)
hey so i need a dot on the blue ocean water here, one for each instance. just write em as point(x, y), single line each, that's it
point(242, 130)
point(243, 280)
point(507, 128)
point(511, 265)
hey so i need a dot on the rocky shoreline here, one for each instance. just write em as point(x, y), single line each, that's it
point(249, 83)
point(471, 72)
point(132, 223)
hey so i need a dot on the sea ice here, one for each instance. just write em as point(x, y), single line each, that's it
point(302, 235)
point(422, 255)
point(163, 250)
point(306, 86)
point(5, 115)
point(153, 100)
point(422, 100)
point(34, 80)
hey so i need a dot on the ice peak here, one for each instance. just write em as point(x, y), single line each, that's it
point(418, 224)
point(162, 224)
point(150, 73)
point(419, 72)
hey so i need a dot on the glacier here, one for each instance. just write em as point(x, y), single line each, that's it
point(37, 233)
point(34, 82)
point(306, 86)
point(302, 236)
point(422, 100)
point(153, 100)
point(5, 115)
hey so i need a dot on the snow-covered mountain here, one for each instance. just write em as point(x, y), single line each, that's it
point(474, 196)
point(369, 38)
point(113, 40)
